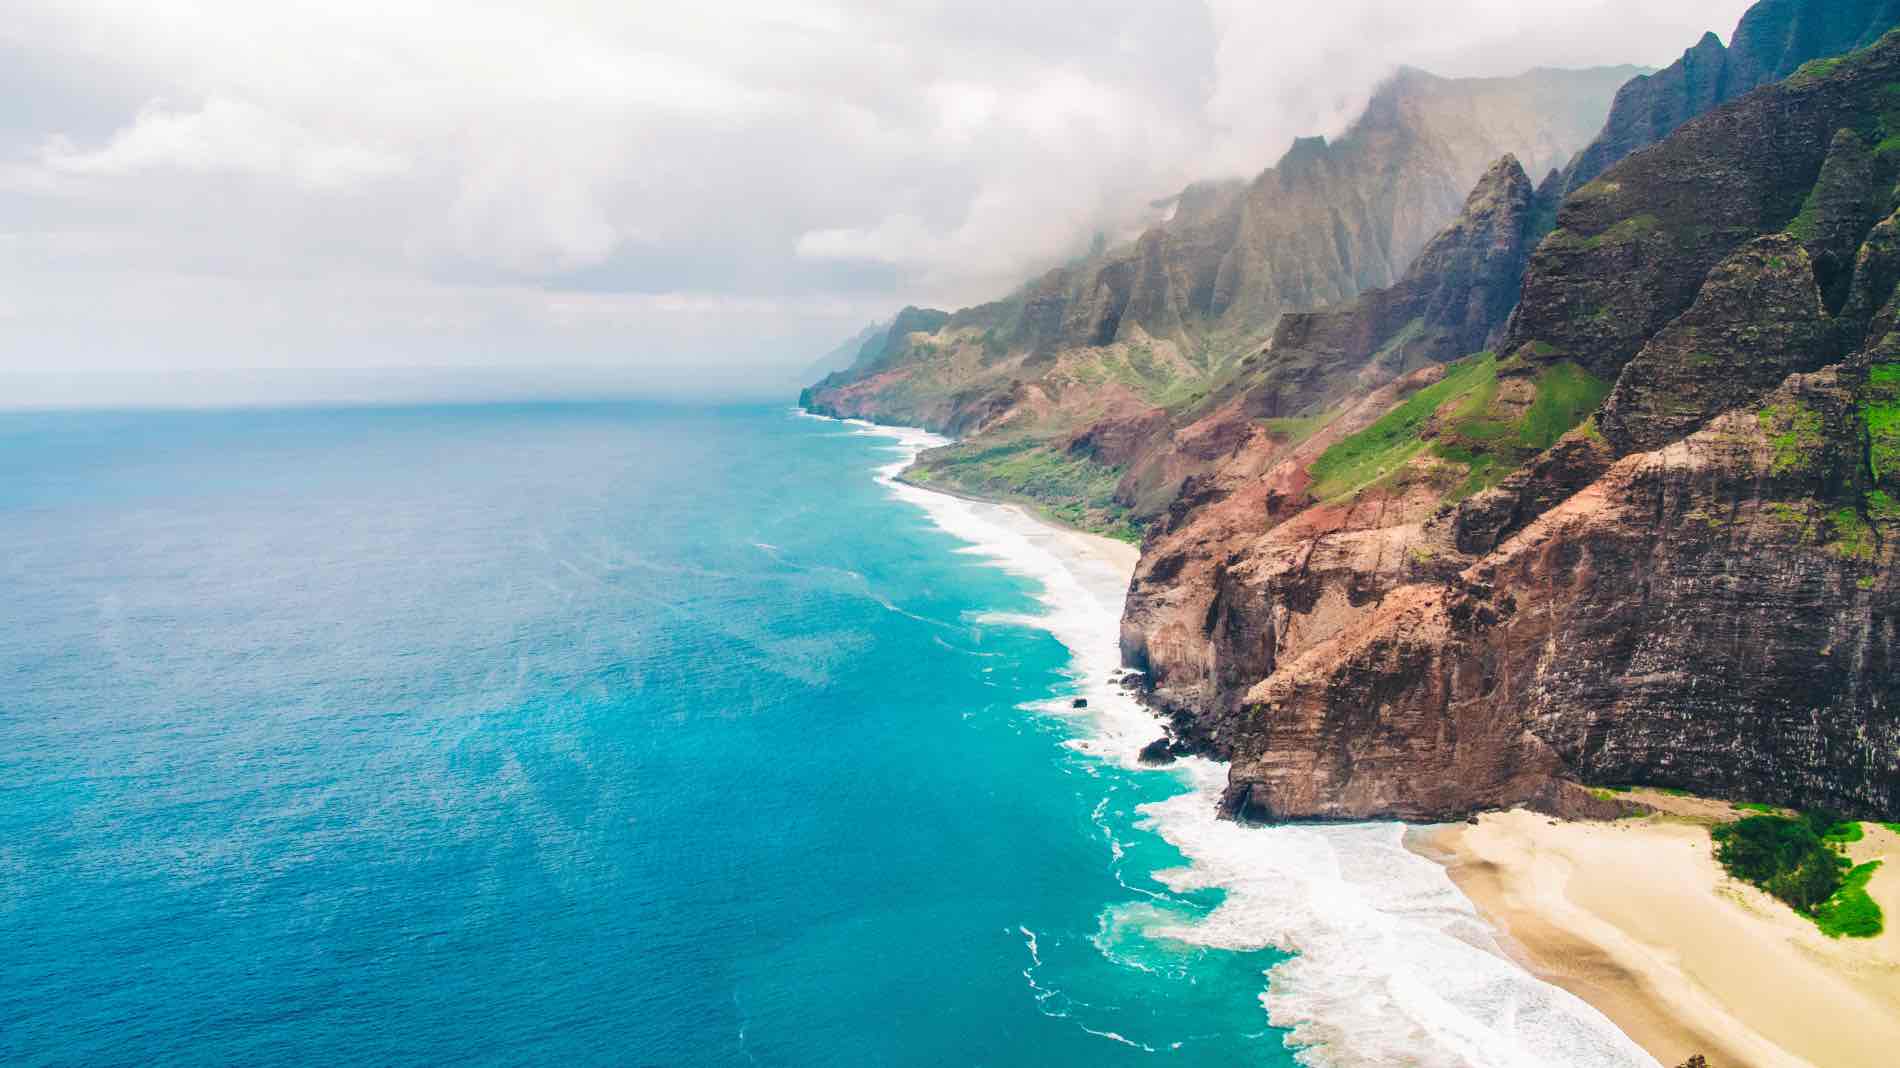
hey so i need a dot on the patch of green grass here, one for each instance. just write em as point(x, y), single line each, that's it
point(1894, 827)
point(1393, 439)
point(1785, 512)
point(1801, 227)
point(1853, 535)
point(1850, 912)
point(1757, 806)
point(1630, 229)
point(1843, 832)
point(1456, 419)
point(1887, 120)
point(1566, 394)
point(1624, 232)
point(1815, 69)
point(1289, 431)
point(1880, 410)
point(1795, 434)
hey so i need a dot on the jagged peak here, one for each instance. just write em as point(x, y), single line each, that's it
point(1505, 167)
point(1304, 149)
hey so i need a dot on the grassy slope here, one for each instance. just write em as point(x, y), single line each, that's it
point(1456, 419)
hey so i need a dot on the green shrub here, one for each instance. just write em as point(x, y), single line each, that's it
point(1783, 856)
point(1843, 833)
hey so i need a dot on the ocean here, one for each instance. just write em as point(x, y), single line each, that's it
point(635, 734)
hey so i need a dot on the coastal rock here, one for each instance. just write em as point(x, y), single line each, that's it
point(1158, 753)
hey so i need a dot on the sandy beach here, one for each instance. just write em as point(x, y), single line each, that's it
point(1636, 917)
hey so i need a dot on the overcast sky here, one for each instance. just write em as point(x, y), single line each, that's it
point(669, 192)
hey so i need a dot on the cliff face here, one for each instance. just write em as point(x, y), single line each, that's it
point(1773, 39)
point(1464, 591)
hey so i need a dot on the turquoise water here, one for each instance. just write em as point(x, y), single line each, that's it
point(584, 734)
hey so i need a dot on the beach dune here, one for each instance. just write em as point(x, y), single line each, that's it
point(1636, 917)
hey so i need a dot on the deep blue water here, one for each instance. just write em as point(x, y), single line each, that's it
point(550, 734)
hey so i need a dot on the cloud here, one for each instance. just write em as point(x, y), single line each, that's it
point(649, 183)
point(223, 135)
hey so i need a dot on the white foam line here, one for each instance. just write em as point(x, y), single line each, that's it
point(1393, 965)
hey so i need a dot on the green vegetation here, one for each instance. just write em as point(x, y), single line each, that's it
point(1795, 858)
point(1566, 394)
point(1795, 433)
point(1629, 230)
point(1388, 443)
point(1853, 536)
point(1596, 190)
point(1843, 833)
point(1782, 855)
point(1851, 913)
point(1815, 69)
point(1460, 419)
point(1625, 232)
point(1801, 227)
point(1292, 430)
point(1887, 121)
point(1757, 806)
point(1880, 410)
point(1070, 488)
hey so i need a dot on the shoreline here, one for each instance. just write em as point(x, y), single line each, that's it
point(1391, 963)
point(1636, 917)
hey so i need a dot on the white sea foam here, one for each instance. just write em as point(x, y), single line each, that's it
point(1392, 964)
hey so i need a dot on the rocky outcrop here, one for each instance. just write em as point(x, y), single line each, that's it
point(1757, 319)
point(1693, 589)
point(1773, 40)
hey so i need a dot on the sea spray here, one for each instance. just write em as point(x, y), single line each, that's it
point(1392, 963)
